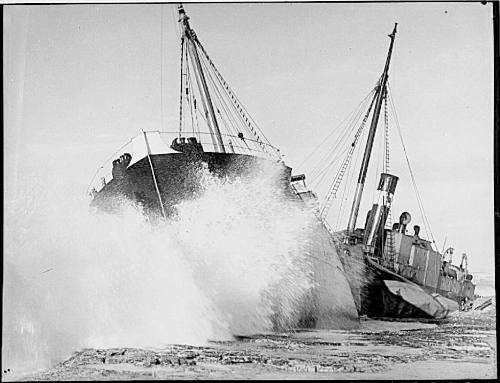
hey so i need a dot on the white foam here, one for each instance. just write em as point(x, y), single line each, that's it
point(231, 262)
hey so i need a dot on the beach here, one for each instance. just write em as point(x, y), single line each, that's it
point(461, 347)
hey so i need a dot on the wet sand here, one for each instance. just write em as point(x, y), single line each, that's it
point(462, 347)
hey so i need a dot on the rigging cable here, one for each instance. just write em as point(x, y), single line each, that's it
point(345, 192)
point(383, 149)
point(236, 101)
point(376, 174)
point(353, 122)
point(316, 179)
point(341, 172)
point(387, 151)
point(189, 93)
point(386, 137)
point(221, 101)
point(225, 106)
point(182, 86)
point(388, 247)
point(319, 168)
point(342, 198)
point(193, 104)
point(232, 95)
point(347, 118)
point(419, 200)
point(351, 185)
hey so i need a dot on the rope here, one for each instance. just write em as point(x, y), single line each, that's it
point(324, 162)
point(376, 174)
point(192, 100)
point(222, 103)
point(233, 116)
point(233, 110)
point(352, 185)
point(386, 137)
point(419, 200)
point(233, 96)
point(315, 150)
point(341, 172)
point(343, 197)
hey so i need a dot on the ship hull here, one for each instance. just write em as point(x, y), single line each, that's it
point(176, 177)
point(382, 293)
point(179, 177)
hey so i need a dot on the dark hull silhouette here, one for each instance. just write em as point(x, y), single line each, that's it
point(179, 177)
point(382, 293)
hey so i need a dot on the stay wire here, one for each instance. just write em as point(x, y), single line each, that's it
point(233, 96)
point(221, 101)
point(345, 164)
point(208, 71)
point(192, 102)
point(347, 157)
point(419, 200)
point(321, 169)
point(344, 196)
point(352, 123)
point(347, 118)
point(356, 165)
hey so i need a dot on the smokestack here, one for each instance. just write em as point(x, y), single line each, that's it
point(377, 218)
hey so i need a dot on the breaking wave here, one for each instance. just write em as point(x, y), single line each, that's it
point(233, 261)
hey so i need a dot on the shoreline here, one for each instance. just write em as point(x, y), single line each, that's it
point(462, 347)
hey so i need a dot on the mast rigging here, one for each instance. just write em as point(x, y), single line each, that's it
point(381, 92)
point(191, 41)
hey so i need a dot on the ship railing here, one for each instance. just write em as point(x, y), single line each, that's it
point(159, 143)
point(232, 144)
point(104, 174)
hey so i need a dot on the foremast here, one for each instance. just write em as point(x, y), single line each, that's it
point(381, 92)
point(189, 38)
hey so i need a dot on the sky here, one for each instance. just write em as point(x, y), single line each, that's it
point(80, 80)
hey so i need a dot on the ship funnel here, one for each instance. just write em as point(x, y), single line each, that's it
point(378, 213)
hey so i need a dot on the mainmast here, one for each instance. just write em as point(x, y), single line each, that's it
point(189, 37)
point(371, 137)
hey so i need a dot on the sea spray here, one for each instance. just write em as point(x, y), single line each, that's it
point(253, 240)
point(98, 282)
point(232, 261)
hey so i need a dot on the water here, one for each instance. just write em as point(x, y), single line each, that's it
point(485, 283)
point(232, 262)
point(463, 347)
